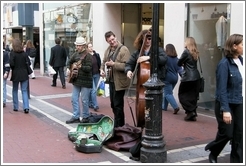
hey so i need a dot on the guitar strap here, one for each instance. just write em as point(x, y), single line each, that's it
point(114, 55)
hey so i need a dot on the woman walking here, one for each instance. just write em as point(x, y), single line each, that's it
point(189, 87)
point(18, 63)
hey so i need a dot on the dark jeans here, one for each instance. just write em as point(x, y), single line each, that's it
point(59, 70)
point(117, 105)
point(227, 132)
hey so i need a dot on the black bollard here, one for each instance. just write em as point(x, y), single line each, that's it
point(28, 89)
point(153, 145)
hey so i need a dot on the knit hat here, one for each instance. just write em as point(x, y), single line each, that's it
point(80, 41)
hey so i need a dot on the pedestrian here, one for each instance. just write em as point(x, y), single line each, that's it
point(37, 58)
point(31, 52)
point(58, 59)
point(18, 64)
point(171, 78)
point(65, 45)
point(96, 65)
point(229, 102)
point(82, 84)
point(142, 54)
point(115, 57)
point(188, 92)
point(6, 70)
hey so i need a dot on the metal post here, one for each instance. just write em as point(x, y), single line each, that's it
point(153, 145)
point(28, 88)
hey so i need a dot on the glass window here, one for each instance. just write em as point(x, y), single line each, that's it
point(209, 25)
point(66, 21)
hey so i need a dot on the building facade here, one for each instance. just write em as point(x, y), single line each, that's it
point(209, 23)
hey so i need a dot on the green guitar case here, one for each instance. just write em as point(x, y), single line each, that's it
point(89, 137)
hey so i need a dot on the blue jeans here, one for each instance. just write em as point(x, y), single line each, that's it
point(168, 96)
point(24, 92)
point(4, 90)
point(84, 92)
point(93, 92)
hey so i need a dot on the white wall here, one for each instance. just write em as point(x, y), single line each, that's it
point(108, 18)
point(237, 18)
point(174, 30)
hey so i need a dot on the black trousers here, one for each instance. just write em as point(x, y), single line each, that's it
point(229, 132)
point(117, 105)
point(188, 94)
point(59, 70)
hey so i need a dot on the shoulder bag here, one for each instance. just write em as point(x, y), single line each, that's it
point(201, 80)
point(29, 70)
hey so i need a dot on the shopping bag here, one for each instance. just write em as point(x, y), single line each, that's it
point(51, 71)
point(101, 88)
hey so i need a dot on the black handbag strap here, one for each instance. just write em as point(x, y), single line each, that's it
point(200, 64)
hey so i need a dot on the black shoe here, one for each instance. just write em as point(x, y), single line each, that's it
point(33, 78)
point(91, 106)
point(4, 104)
point(53, 85)
point(176, 110)
point(72, 120)
point(15, 110)
point(96, 108)
point(63, 86)
point(212, 158)
point(26, 111)
point(85, 120)
point(190, 116)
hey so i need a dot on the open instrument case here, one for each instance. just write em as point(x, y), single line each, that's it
point(89, 137)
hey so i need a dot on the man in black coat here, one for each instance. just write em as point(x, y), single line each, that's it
point(58, 59)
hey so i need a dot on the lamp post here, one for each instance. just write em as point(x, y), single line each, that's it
point(153, 145)
point(89, 26)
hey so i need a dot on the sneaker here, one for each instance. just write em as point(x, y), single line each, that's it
point(85, 120)
point(96, 108)
point(26, 111)
point(72, 120)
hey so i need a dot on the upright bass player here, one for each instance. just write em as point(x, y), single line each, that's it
point(139, 65)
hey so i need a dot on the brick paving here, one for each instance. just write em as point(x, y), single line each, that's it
point(41, 135)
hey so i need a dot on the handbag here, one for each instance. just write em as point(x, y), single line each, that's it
point(29, 70)
point(201, 80)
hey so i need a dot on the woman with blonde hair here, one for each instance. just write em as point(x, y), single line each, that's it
point(31, 52)
point(188, 92)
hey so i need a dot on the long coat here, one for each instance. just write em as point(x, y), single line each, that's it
point(18, 64)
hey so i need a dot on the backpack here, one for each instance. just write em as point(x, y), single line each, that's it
point(32, 52)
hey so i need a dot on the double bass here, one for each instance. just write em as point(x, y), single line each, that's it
point(142, 70)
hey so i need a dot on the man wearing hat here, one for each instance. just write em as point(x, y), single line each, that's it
point(82, 84)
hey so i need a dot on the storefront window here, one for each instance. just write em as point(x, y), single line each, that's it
point(209, 25)
point(66, 21)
